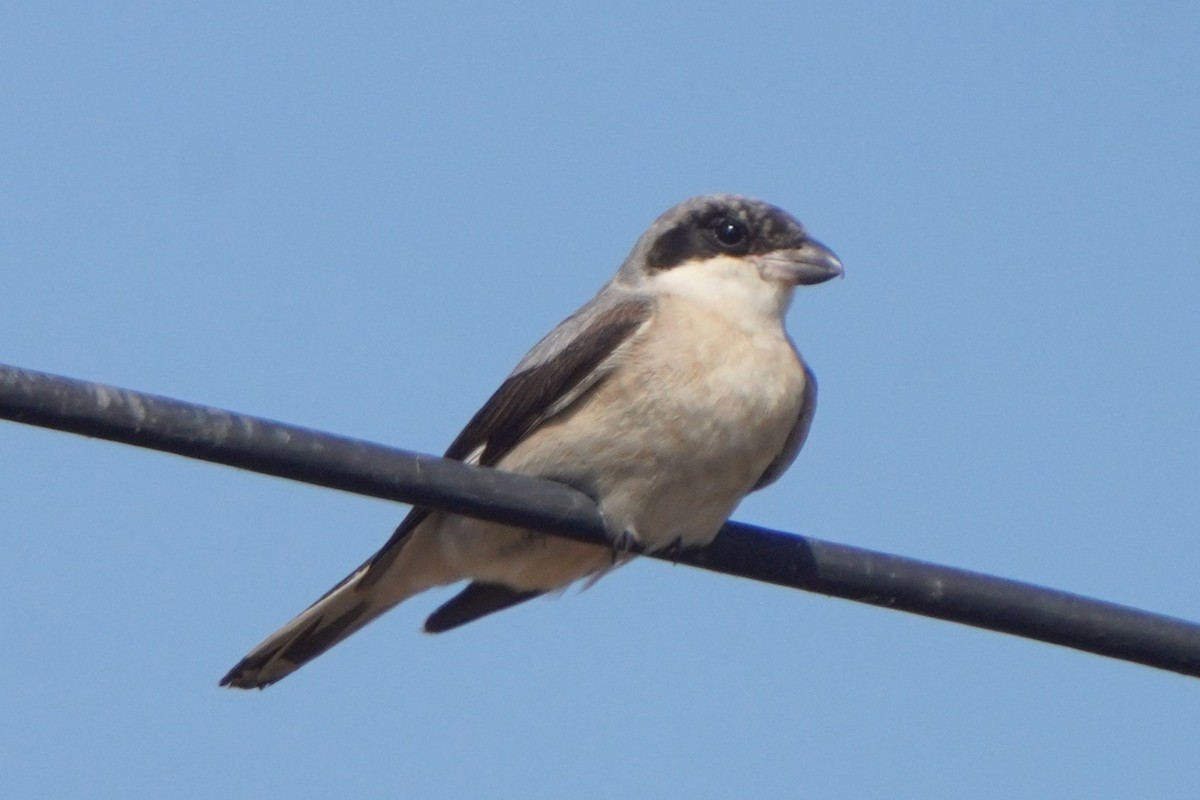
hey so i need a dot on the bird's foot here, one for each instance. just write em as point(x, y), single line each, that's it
point(673, 550)
point(623, 539)
point(624, 544)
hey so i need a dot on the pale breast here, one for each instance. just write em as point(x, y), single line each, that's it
point(671, 442)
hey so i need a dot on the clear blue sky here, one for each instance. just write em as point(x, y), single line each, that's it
point(357, 219)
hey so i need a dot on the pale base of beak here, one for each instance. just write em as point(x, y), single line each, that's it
point(810, 263)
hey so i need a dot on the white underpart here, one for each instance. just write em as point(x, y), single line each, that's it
point(732, 287)
point(698, 407)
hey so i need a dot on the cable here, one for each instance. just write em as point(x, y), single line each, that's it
point(747, 551)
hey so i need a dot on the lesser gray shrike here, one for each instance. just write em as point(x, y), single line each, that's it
point(668, 397)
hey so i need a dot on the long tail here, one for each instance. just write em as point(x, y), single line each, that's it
point(344, 609)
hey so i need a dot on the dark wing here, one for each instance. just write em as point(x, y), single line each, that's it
point(799, 432)
point(473, 602)
point(527, 399)
point(575, 357)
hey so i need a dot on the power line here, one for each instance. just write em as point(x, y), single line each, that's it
point(747, 551)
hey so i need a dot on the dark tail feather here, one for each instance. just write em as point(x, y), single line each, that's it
point(341, 612)
point(344, 609)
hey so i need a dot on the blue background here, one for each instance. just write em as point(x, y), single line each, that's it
point(358, 218)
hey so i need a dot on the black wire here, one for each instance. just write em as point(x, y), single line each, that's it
point(747, 551)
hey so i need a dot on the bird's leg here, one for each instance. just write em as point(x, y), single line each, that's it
point(625, 544)
point(623, 539)
point(673, 550)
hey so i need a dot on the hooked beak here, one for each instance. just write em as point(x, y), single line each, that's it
point(810, 263)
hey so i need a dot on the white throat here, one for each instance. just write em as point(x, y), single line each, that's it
point(730, 287)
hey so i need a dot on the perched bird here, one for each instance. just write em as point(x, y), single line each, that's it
point(668, 397)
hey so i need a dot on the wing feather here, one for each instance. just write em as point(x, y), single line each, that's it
point(799, 432)
point(559, 370)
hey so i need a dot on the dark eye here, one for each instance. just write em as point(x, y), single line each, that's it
point(729, 234)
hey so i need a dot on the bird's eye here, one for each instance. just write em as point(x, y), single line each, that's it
point(729, 234)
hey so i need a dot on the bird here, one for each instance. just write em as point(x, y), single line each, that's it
point(667, 398)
